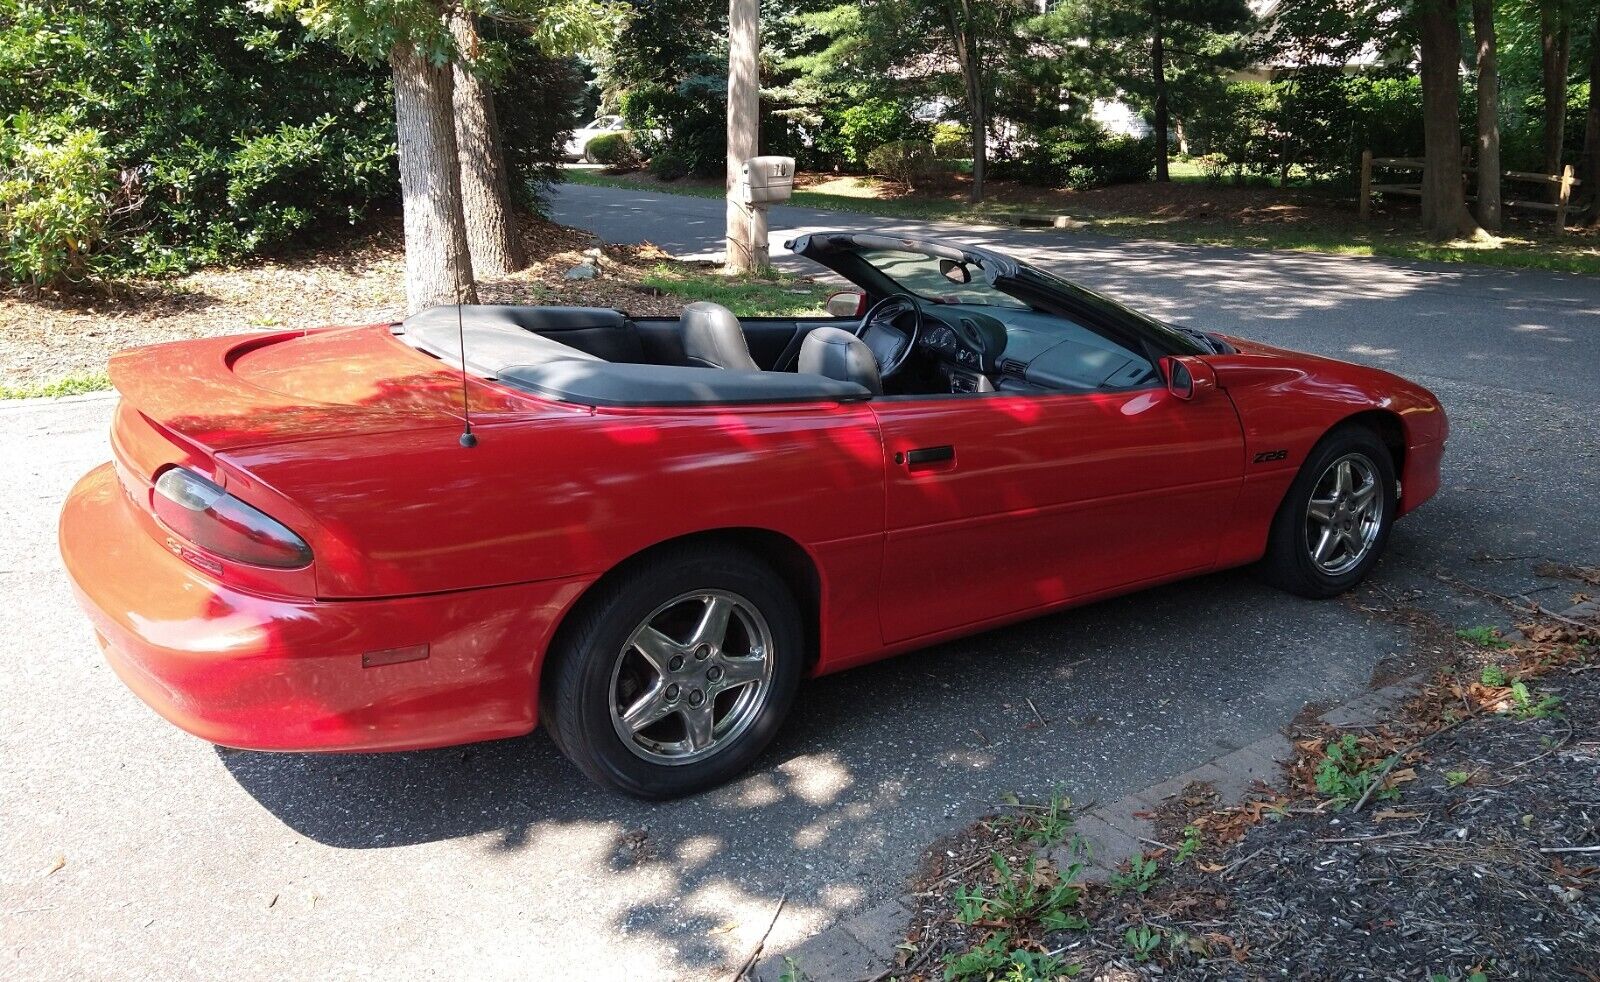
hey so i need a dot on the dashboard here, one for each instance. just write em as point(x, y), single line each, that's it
point(978, 351)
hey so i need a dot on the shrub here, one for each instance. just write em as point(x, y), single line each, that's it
point(907, 162)
point(615, 151)
point(55, 201)
point(1080, 155)
point(1118, 160)
point(669, 165)
point(690, 120)
point(855, 131)
point(951, 141)
point(233, 133)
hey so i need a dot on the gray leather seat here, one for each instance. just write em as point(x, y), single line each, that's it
point(712, 338)
point(838, 354)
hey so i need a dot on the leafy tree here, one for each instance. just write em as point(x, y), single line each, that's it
point(1168, 54)
point(1488, 122)
point(1444, 206)
point(415, 38)
point(1555, 54)
point(921, 51)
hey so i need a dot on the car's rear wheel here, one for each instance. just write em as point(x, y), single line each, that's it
point(676, 675)
point(1334, 523)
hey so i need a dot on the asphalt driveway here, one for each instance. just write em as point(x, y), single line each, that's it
point(130, 850)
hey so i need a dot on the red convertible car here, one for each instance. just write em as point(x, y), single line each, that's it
point(650, 529)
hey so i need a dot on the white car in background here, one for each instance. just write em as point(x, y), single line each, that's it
point(578, 146)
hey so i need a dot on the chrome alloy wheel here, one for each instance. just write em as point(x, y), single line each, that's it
point(1344, 515)
point(692, 677)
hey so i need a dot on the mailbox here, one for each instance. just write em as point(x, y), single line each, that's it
point(767, 179)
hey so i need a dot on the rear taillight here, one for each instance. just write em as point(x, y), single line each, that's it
point(202, 513)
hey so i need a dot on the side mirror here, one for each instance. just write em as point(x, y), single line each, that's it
point(1187, 376)
point(955, 272)
point(847, 304)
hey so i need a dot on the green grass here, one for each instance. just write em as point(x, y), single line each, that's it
point(770, 295)
point(72, 385)
point(1509, 252)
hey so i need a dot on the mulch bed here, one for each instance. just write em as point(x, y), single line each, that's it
point(1478, 850)
point(354, 279)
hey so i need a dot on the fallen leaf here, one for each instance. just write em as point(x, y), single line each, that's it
point(1388, 814)
point(724, 927)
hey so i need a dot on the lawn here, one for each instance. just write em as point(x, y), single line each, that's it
point(1189, 210)
point(772, 295)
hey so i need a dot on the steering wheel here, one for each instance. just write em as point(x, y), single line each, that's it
point(890, 342)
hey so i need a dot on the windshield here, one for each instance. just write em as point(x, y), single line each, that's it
point(921, 276)
point(1177, 339)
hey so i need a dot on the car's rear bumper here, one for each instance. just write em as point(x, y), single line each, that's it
point(289, 674)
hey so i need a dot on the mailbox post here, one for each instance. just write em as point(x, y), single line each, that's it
point(762, 181)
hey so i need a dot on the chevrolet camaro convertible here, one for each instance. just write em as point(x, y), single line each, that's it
point(654, 527)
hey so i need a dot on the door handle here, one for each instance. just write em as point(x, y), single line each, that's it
point(928, 456)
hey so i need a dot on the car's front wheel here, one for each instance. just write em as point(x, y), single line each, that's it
point(676, 675)
point(1334, 523)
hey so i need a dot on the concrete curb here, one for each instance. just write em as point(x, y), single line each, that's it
point(864, 945)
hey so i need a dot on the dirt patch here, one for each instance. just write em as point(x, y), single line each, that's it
point(1463, 836)
point(358, 279)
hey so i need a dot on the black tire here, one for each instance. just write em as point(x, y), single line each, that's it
point(1289, 563)
point(577, 693)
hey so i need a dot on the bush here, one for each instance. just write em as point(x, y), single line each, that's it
point(689, 120)
point(1118, 160)
point(615, 151)
point(853, 133)
point(1237, 131)
point(233, 134)
point(1080, 155)
point(669, 165)
point(908, 162)
point(951, 141)
point(55, 201)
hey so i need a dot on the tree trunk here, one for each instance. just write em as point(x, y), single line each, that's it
point(485, 185)
point(1444, 205)
point(744, 109)
point(1555, 48)
point(438, 266)
point(966, 44)
point(1488, 116)
point(1589, 166)
point(1158, 78)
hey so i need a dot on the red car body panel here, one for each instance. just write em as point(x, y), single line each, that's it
point(349, 437)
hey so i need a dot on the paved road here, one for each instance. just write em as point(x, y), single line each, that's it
point(498, 860)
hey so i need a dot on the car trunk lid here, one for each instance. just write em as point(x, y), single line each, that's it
point(223, 394)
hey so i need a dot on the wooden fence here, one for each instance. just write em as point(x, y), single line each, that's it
point(1562, 206)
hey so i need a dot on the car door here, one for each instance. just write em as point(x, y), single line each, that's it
point(1002, 503)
